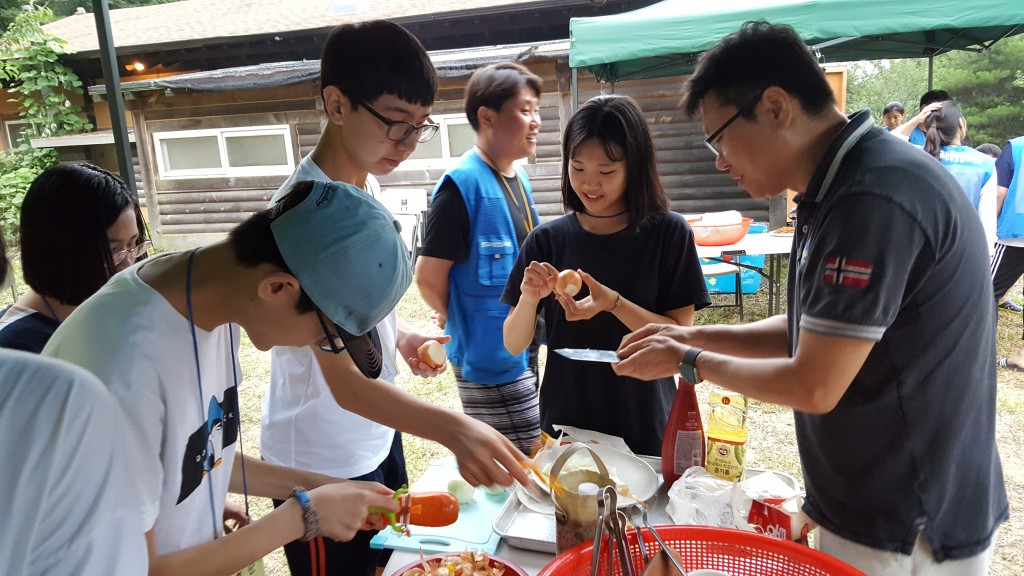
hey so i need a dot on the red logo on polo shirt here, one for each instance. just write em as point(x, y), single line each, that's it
point(840, 271)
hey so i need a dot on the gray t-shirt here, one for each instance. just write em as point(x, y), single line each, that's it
point(888, 248)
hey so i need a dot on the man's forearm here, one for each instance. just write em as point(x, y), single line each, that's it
point(762, 339)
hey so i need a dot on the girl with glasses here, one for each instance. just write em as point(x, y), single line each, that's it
point(79, 226)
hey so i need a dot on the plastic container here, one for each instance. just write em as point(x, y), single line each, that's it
point(732, 551)
point(750, 280)
point(719, 235)
point(493, 561)
point(727, 439)
point(683, 444)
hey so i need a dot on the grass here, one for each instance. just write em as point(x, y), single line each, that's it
point(771, 444)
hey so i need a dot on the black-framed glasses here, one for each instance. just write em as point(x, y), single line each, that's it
point(711, 140)
point(366, 350)
point(133, 252)
point(399, 130)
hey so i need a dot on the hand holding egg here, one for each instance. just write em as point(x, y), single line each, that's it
point(432, 354)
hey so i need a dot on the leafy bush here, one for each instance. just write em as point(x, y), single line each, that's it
point(30, 68)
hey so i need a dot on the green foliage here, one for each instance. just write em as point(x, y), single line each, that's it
point(30, 68)
point(989, 87)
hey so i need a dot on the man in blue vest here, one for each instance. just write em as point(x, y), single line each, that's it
point(480, 215)
point(1008, 261)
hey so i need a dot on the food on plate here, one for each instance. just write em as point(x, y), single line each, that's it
point(432, 354)
point(465, 564)
point(568, 283)
point(462, 490)
point(784, 230)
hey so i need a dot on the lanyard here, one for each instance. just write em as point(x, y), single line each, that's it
point(199, 383)
point(525, 214)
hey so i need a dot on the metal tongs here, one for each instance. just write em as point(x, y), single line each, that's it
point(610, 518)
point(637, 510)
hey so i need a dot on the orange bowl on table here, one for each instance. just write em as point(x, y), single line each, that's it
point(433, 560)
point(719, 234)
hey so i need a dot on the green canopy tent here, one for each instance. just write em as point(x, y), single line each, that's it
point(665, 39)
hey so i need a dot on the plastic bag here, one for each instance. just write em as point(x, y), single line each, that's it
point(698, 498)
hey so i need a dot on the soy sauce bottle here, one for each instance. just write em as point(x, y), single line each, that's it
point(683, 445)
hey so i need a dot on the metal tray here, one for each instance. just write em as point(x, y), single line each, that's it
point(524, 528)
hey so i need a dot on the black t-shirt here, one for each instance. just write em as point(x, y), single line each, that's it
point(22, 329)
point(657, 269)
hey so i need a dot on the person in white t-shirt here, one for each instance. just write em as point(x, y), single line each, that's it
point(319, 269)
point(378, 85)
point(65, 487)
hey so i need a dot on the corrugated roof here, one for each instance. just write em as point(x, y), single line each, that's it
point(191, 20)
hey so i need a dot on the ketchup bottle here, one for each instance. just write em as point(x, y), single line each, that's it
point(683, 444)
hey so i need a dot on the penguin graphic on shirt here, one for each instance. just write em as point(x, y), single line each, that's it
point(206, 445)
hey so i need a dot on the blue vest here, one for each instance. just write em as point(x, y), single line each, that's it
point(476, 315)
point(971, 168)
point(1011, 218)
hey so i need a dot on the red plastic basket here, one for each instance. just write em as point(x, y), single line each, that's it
point(734, 552)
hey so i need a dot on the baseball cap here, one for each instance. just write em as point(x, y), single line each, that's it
point(346, 250)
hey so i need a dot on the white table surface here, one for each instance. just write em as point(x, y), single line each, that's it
point(751, 244)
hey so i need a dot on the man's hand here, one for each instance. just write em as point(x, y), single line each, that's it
point(408, 345)
point(484, 456)
point(344, 508)
point(652, 352)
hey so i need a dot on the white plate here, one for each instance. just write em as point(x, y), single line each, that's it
point(630, 470)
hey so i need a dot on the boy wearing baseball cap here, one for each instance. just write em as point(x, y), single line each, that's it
point(319, 268)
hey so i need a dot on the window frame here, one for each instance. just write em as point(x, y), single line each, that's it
point(222, 135)
point(7, 132)
point(446, 160)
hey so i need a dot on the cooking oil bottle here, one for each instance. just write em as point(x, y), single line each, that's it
point(727, 434)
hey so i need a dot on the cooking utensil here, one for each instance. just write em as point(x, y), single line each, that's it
point(664, 547)
point(589, 354)
point(598, 534)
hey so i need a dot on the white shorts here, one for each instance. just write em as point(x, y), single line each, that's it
point(920, 562)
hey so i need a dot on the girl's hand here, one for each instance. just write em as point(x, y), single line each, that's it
point(600, 299)
point(538, 281)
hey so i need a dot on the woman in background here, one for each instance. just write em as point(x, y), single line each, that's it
point(639, 265)
point(945, 129)
point(79, 226)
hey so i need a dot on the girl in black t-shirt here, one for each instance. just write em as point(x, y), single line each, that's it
point(620, 231)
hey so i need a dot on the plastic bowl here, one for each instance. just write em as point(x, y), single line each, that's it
point(717, 235)
point(494, 562)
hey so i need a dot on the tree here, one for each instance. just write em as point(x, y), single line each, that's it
point(42, 86)
point(989, 87)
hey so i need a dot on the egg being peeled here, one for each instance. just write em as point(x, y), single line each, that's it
point(568, 283)
point(432, 354)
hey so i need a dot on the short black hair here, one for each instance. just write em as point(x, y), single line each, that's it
point(491, 86)
point(65, 252)
point(369, 59)
point(990, 149)
point(941, 127)
point(893, 107)
point(618, 125)
point(933, 96)
point(758, 56)
point(253, 243)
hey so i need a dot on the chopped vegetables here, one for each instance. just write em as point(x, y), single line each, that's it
point(465, 564)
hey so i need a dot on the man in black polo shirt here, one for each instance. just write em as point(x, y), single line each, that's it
point(886, 353)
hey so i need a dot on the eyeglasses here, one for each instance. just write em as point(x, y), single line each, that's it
point(365, 351)
point(331, 342)
point(398, 130)
point(133, 253)
point(710, 141)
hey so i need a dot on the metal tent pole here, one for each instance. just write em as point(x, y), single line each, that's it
point(112, 80)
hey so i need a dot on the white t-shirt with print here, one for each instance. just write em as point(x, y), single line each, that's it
point(66, 494)
point(303, 425)
point(179, 441)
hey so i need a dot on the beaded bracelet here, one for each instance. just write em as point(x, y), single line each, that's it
point(309, 518)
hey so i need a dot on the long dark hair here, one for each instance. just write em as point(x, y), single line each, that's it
point(941, 127)
point(617, 123)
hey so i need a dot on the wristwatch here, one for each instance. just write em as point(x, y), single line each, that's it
point(688, 367)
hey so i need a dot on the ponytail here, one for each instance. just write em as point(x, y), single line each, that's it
point(941, 128)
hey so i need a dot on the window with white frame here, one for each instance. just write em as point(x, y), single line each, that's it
point(444, 149)
point(250, 151)
point(13, 130)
